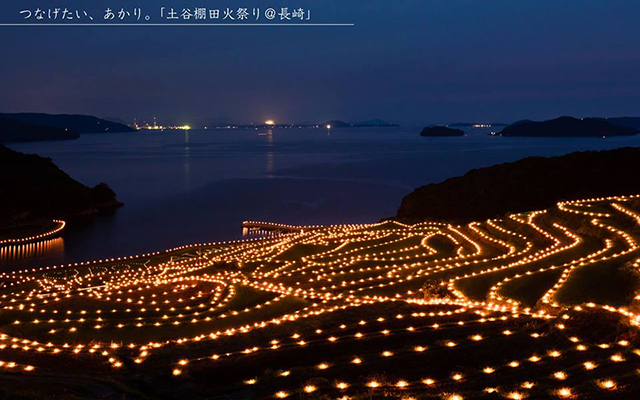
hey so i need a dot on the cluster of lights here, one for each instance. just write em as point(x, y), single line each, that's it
point(338, 268)
point(59, 227)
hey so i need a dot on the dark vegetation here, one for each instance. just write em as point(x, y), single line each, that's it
point(12, 131)
point(529, 184)
point(34, 187)
point(76, 123)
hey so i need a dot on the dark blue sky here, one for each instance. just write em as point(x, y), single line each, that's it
point(407, 61)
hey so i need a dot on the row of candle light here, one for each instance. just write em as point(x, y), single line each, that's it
point(337, 263)
point(60, 225)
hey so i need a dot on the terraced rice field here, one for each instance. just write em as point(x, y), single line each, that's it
point(537, 305)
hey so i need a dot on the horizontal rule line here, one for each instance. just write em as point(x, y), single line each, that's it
point(170, 24)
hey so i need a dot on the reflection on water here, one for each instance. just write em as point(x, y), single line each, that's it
point(269, 153)
point(187, 161)
point(199, 186)
point(22, 253)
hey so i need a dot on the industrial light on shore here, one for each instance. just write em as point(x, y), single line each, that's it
point(269, 122)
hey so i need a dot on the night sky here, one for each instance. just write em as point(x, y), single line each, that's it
point(407, 61)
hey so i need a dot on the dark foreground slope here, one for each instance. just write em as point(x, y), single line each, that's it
point(13, 131)
point(32, 186)
point(77, 123)
point(529, 184)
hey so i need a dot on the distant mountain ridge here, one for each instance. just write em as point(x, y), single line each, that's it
point(13, 131)
point(629, 122)
point(435, 131)
point(568, 127)
point(473, 124)
point(374, 123)
point(71, 122)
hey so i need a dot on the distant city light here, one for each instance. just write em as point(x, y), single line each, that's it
point(156, 127)
point(269, 122)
